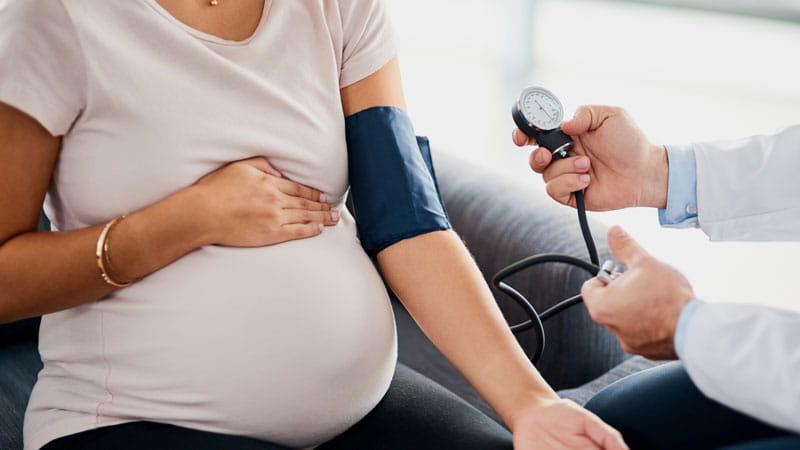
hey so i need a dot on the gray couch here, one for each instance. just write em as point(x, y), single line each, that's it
point(500, 222)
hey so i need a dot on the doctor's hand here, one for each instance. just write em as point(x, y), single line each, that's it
point(612, 160)
point(561, 424)
point(642, 305)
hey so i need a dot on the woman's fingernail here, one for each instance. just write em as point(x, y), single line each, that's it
point(581, 163)
point(323, 198)
point(538, 157)
point(321, 227)
point(584, 178)
point(335, 214)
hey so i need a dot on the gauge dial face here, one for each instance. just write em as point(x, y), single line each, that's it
point(541, 108)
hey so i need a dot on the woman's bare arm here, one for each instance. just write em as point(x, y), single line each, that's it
point(446, 293)
point(241, 204)
point(440, 285)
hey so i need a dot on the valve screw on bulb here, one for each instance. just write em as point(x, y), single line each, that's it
point(606, 273)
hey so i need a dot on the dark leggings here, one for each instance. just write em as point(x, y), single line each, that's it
point(661, 408)
point(416, 413)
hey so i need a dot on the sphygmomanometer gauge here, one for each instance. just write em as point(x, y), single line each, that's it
point(539, 114)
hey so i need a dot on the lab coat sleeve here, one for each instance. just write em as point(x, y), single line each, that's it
point(746, 357)
point(749, 190)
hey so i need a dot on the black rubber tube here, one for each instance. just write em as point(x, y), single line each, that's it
point(584, 224)
point(535, 319)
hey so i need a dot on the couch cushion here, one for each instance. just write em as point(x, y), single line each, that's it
point(582, 394)
point(19, 331)
point(19, 365)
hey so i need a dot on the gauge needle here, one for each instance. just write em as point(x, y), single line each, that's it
point(543, 110)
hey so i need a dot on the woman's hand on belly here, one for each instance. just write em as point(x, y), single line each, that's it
point(249, 204)
point(245, 203)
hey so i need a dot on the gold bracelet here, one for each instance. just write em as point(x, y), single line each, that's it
point(103, 261)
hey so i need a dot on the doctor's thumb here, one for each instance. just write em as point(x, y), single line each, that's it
point(587, 118)
point(624, 248)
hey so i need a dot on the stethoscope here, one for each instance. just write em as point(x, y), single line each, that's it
point(538, 113)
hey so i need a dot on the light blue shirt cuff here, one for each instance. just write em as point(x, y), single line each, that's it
point(683, 325)
point(681, 209)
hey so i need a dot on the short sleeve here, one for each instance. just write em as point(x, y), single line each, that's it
point(368, 39)
point(42, 72)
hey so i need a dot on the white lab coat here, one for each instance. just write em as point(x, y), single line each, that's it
point(749, 190)
point(748, 357)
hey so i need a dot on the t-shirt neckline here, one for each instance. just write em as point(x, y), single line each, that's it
point(207, 36)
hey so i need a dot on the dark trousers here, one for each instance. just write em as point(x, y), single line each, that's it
point(661, 408)
point(416, 413)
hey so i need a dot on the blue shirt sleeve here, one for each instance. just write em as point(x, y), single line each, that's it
point(681, 211)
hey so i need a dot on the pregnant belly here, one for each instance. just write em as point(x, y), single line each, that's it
point(290, 343)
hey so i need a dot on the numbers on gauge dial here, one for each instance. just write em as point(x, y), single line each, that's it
point(542, 109)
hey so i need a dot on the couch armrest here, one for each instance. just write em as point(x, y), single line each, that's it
point(502, 222)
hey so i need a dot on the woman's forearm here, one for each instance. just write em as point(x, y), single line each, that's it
point(439, 284)
point(245, 203)
point(44, 272)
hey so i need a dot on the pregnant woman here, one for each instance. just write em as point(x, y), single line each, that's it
point(203, 286)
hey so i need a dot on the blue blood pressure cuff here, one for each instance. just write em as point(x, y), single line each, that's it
point(392, 182)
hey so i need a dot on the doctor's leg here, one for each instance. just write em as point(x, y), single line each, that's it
point(661, 408)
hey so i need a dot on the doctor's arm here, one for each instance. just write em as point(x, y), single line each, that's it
point(746, 357)
point(440, 285)
point(743, 356)
point(745, 190)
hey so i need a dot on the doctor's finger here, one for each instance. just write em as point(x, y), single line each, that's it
point(591, 290)
point(540, 158)
point(593, 294)
point(589, 118)
point(624, 248)
point(574, 164)
point(521, 139)
point(561, 188)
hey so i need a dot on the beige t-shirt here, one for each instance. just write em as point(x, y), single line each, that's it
point(292, 343)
